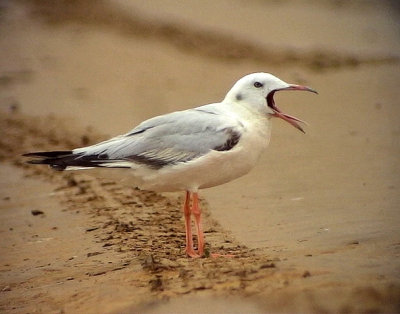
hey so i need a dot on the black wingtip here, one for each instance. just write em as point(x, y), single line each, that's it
point(52, 158)
point(51, 154)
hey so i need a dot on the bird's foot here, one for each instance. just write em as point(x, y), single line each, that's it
point(207, 253)
point(191, 253)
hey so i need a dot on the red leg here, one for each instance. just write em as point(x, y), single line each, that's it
point(188, 227)
point(197, 216)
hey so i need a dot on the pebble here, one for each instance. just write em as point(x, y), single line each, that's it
point(306, 274)
point(36, 212)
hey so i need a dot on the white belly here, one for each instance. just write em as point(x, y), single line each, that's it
point(212, 169)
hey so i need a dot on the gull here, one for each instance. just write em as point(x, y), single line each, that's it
point(191, 149)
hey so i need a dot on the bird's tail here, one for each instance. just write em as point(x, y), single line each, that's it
point(58, 160)
point(68, 160)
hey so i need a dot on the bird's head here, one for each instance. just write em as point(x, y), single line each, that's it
point(257, 90)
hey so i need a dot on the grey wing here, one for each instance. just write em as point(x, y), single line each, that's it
point(169, 139)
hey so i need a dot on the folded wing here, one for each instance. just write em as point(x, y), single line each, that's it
point(165, 140)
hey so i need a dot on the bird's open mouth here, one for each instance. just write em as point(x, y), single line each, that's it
point(279, 114)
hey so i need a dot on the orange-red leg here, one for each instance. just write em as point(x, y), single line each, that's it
point(188, 227)
point(196, 210)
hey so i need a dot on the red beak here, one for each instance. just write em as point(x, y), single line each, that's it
point(279, 114)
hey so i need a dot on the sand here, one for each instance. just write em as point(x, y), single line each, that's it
point(315, 227)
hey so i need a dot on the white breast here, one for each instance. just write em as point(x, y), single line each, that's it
point(212, 169)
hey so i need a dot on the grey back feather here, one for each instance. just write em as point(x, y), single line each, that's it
point(172, 138)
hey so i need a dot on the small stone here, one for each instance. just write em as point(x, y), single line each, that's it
point(36, 212)
point(355, 242)
point(91, 229)
point(97, 273)
point(306, 274)
point(93, 254)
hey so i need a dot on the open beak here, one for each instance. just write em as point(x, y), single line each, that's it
point(279, 114)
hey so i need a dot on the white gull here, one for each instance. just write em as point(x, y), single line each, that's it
point(191, 149)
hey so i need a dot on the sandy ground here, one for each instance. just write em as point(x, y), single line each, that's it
point(315, 227)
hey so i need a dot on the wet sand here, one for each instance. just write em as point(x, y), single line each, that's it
point(315, 226)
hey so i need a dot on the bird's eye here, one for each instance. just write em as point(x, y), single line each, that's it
point(258, 85)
